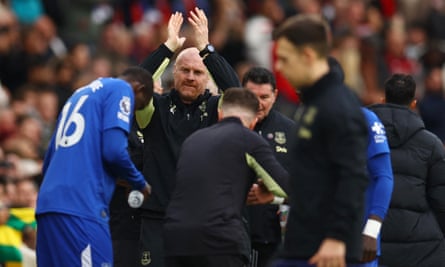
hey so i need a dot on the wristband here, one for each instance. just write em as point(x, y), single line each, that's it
point(277, 200)
point(372, 228)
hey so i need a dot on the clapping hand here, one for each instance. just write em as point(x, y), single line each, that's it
point(198, 20)
point(174, 42)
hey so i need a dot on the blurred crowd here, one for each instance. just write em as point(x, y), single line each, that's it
point(48, 48)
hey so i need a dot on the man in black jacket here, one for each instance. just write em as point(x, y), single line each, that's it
point(216, 168)
point(328, 174)
point(172, 117)
point(264, 220)
point(414, 228)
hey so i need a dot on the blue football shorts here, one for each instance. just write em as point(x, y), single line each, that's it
point(66, 240)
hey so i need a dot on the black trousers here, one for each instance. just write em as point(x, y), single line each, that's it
point(151, 243)
point(206, 261)
point(262, 254)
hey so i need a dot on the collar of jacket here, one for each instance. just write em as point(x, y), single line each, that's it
point(310, 92)
point(231, 119)
point(263, 123)
point(174, 95)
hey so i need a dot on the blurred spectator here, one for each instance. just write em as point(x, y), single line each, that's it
point(11, 67)
point(65, 75)
point(258, 31)
point(433, 103)
point(10, 242)
point(4, 96)
point(27, 11)
point(48, 109)
point(417, 41)
point(28, 247)
point(26, 193)
point(146, 37)
point(346, 49)
point(48, 30)
point(7, 124)
point(226, 30)
point(79, 55)
point(395, 49)
point(435, 20)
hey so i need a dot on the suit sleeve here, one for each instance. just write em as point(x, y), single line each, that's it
point(265, 165)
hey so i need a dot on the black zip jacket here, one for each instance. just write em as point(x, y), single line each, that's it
point(328, 172)
point(413, 230)
point(264, 220)
point(213, 179)
point(172, 122)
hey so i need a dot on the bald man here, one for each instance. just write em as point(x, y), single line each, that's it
point(165, 124)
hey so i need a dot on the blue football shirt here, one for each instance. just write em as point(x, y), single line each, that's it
point(378, 193)
point(75, 178)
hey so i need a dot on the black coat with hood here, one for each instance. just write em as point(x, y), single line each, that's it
point(413, 230)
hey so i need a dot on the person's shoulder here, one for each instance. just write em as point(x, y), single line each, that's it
point(432, 139)
point(370, 116)
point(281, 118)
point(110, 85)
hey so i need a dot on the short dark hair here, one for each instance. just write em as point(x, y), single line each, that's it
point(141, 75)
point(306, 29)
point(400, 89)
point(259, 75)
point(240, 97)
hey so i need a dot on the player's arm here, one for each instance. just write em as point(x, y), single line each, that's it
point(118, 160)
point(380, 171)
point(220, 70)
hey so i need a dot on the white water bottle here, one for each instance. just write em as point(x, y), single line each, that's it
point(135, 199)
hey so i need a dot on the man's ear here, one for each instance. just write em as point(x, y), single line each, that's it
point(383, 100)
point(308, 54)
point(413, 104)
point(220, 114)
point(253, 123)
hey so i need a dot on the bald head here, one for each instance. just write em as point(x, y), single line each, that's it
point(190, 75)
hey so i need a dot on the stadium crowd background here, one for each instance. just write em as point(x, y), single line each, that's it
point(48, 48)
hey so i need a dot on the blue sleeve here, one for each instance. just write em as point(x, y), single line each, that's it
point(377, 141)
point(48, 155)
point(380, 172)
point(117, 158)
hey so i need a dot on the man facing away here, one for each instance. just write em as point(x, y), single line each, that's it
point(87, 152)
point(216, 168)
point(264, 220)
point(413, 230)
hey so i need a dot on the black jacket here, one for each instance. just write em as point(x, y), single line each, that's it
point(328, 172)
point(174, 121)
point(213, 179)
point(413, 230)
point(264, 220)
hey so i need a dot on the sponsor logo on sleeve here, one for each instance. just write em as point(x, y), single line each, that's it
point(124, 109)
point(378, 132)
